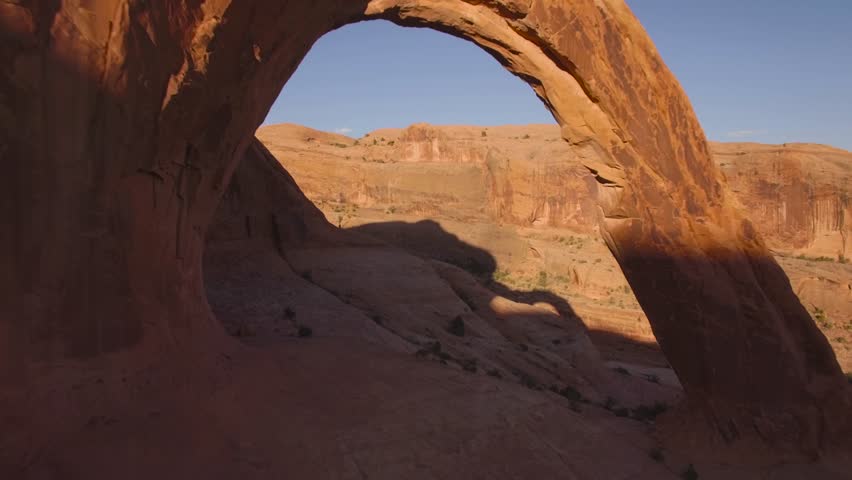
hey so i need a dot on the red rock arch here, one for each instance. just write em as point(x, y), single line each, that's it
point(122, 123)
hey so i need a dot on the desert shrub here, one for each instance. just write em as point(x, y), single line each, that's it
point(649, 412)
point(501, 276)
point(656, 454)
point(622, 370)
point(821, 318)
point(494, 373)
point(289, 313)
point(469, 365)
point(689, 473)
point(456, 326)
point(542, 279)
point(821, 258)
point(526, 136)
point(483, 134)
point(529, 381)
point(304, 331)
point(571, 393)
point(653, 378)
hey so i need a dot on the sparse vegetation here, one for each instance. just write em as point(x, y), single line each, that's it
point(435, 349)
point(344, 213)
point(656, 454)
point(689, 473)
point(542, 279)
point(571, 393)
point(815, 259)
point(622, 370)
point(526, 136)
point(653, 378)
point(501, 276)
point(648, 412)
point(340, 145)
point(469, 365)
point(820, 317)
point(494, 373)
point(483, 134)
point(289, 313)
point(529, 381)
point(304, 331)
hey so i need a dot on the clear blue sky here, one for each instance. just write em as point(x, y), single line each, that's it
point(769, 71)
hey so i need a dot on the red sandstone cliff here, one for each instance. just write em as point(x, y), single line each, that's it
point(521, 193)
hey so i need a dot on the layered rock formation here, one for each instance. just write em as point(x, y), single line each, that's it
point(480, 182)
point(797, 194)
point(122, 124)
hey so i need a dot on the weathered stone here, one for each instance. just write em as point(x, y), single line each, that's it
point(128, 120)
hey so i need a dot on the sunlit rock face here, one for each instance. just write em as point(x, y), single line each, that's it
point(797, 194)
point(522, 194)
point(122, 124)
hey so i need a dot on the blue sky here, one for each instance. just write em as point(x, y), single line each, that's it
point(770, 71)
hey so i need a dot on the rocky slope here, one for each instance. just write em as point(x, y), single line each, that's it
point(520, 194)
point(122, 123)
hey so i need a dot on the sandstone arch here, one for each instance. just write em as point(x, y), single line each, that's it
point(123, 121)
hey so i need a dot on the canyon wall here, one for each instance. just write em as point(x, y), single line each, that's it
point(123, 122)
point(521, 193)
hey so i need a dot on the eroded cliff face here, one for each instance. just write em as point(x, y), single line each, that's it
point(123, 123)
point(797, 194)
point(521, 194)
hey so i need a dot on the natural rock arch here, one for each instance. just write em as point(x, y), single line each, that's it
point(123, 121)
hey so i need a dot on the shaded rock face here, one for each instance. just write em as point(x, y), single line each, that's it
point(123, 123)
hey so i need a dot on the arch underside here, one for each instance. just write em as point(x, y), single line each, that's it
point(131, 171)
